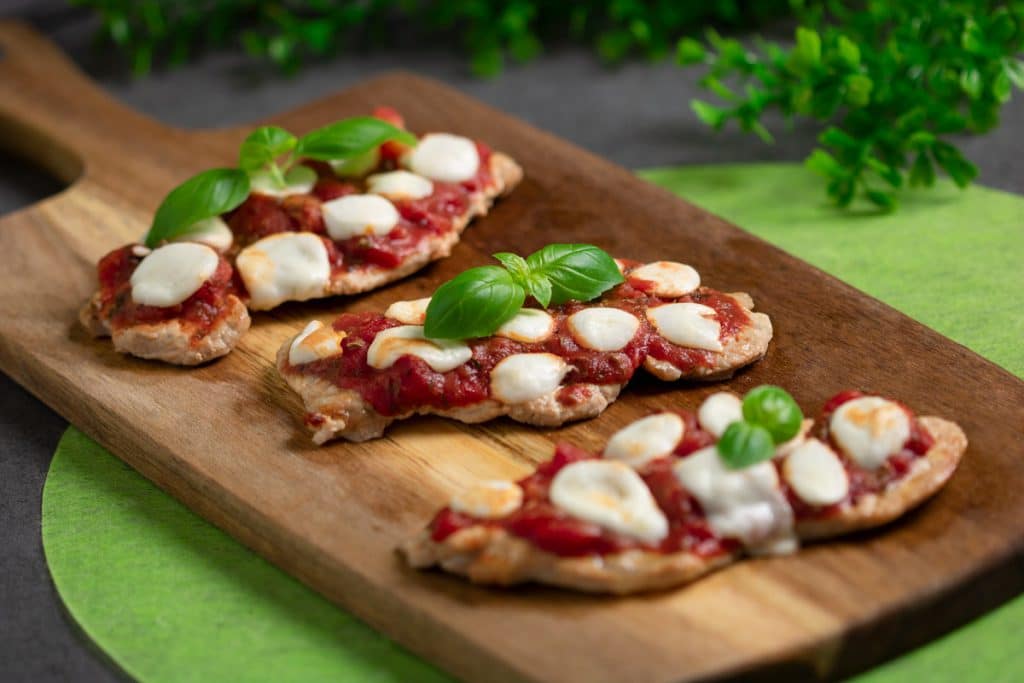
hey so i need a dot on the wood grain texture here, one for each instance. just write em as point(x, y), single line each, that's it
point(225, 440)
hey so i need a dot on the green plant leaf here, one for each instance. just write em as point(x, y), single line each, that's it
point(744, 444)
point(690, 51)
point(539, 287)
point(515, 265)
point(774, 409)
point(709, 114)
point(350, 138)
point(263, 146)
point(473, 304)
point(576, 271)
point(205, 195)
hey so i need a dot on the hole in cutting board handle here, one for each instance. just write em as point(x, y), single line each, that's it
point(32, 165)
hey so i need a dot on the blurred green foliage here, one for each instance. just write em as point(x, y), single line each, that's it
point(890, 80)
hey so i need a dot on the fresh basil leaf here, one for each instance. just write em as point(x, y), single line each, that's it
point(744, 444)
point(263, 146)
point(773, 409)
point(516, 265)
point(539, 287)
point(473, 304)
point(349, 138)
point(575, 271)
point(208, 194)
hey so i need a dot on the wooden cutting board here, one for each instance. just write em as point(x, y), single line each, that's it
point(225, 439)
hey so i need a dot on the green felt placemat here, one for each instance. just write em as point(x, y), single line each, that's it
point(170, 598)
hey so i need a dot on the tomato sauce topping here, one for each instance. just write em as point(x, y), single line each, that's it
point(864, 481)
point(201, 311)
point(539, 521)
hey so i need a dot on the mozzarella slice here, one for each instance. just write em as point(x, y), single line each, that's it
point(299, 180)
point(815, 474)
point(288, 266)
point(870, 429)
point(400, 185)
point(612, 495)
point(529, 325)
point(718, 411)
point(316, 342)
point(409, 312)
point(746, 504)
point(687, 324)
point(213, 232)
point(489, 499)
point(172, 273)
point(445, 157)
point(670, 279)
point(359, 214)
point(523, 377)
point(391, 344)
point(648, 438)
point(603, 329)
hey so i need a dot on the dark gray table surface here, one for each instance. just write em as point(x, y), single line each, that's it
point(636, 115)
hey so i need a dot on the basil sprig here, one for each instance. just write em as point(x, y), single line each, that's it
point(202, 196)
point(476, 302)
point(770, 417)
point(345, 139)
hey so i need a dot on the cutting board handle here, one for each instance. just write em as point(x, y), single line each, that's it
point(50, 112)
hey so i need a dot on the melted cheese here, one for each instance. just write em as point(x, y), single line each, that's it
point(213, 232)
point(359, 214)
point(488, 499)
point(391, 344)
point(670, 279)
point(718, 411)
point(172, 273)
point(141, 250)
point(746, 504)
point(288, 266)
point(815, 474)
point(603, 329)
point(523, 377)
point(444, 157)
point(316, 342)
point(648, 438)
point(529, 325)
point(409, 312)
point(298, 180)
point(400, 185)
point(870, 429)
point(612, 495)
point(687, 324)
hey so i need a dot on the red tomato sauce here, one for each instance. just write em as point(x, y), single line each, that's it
point(863, 481)
point(201, 310)
point(551, 530)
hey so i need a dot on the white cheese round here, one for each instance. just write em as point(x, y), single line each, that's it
point(529, 325)
point(648, 438)
point(359, 214)
point(298, 180)
point(213, 232)
point(687, 324)
point(409, 312)
point(870, 429)
point(746, 504)
point(316, 342)
point(489, 499)
point(391, 344)
point(400, 185)
point(288, 266)
point(523, 377)
point(609, 494)
point(445, 157)
point(718, 411)
point(603, 329)
point(670, 279)
point(815, 474)
point(172, 273)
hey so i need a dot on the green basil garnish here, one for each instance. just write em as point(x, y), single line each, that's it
point(208, 194)
point(350, 138)
point(262, 148)
point(774, 409)
point(476, 302)
point(744, 444)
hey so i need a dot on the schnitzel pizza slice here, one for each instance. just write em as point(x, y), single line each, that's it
point(678, 494)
